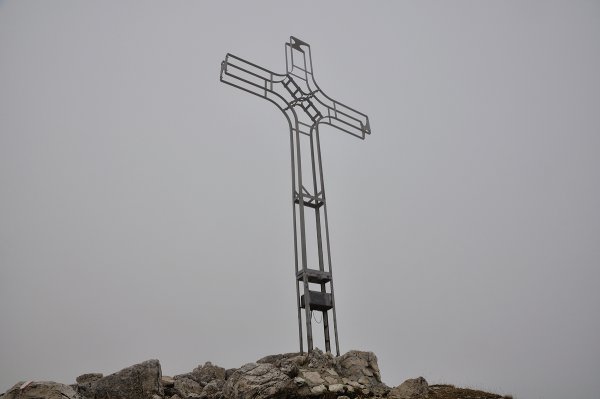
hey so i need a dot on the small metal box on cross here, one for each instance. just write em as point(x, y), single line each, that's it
point(305, 107)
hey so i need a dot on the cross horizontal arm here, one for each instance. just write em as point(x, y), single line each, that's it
point(299, 65)
point(295, 93)
point(253, 79)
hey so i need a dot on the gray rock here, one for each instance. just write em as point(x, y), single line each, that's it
point(141, 381)
point(88, 378)
point(332, 372)
point(229, 372)
point(318, 390)
point(213, 390)
point(362, 371)
point(364, 381)
point(186, 387)
point(289, 363)
point(319, 360)
point(258, 381)
point(313, 377)
point(356, 364)
point(410, 389)
point(41, 389)
point(290, 369)
point(207, 373)
point(331, 380)
point(337, 388)
point(299, 381)
point(85, 382)
point(167, 381)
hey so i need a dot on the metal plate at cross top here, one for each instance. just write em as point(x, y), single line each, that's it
point(305, 107)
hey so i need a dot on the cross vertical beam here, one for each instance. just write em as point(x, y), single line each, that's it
point(305, 107)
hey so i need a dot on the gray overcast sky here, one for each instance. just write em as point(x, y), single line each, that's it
point(145, 211)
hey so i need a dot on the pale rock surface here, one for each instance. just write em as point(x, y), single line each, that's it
point(41, 389)
point(284, 376)
point(141, 381)
point(186, 387)
point(88, 378)
point(362, 368)
point(85, 382)
point(229, 372)
point(337, 388)
point(313, 377)
point(410, 389)
point(167, 381)
point(213, 390)
point(318, 390)
point(207, 373)
point(357, 364)
point(258, 381)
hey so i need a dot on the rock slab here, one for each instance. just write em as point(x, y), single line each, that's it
point(140, 381)
point(410, 389)
point(258, 381)
point(40, 389)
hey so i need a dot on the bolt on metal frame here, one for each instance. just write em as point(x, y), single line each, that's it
point(305, 107)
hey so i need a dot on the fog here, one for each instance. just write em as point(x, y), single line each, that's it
point(145, 206)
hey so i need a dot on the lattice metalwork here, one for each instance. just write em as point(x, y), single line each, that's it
point(305, 106)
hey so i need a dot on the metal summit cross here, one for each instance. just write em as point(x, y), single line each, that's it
point(305, 107)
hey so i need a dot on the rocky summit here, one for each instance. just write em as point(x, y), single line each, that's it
point(284, 376)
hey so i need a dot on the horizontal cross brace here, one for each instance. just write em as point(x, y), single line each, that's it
point(311, 204)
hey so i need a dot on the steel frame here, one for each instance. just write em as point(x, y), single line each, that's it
point(305, 107)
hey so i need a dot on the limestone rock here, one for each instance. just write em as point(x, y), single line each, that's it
point(356, 364)
point(258, 381)
point(168, 384)
point(41, 389)
point(167, 381)
point(88, 378)
point(319, 360)
point(332, 372)
point(213, 390)
point(331, 380)
point(410, 389)
point(337, 388)
point(229, 372)
point(85, 382)
point(316, 375)
point(318, 390)
point(313, 377)
point(299, 381)
point(362, 371)
point(289, 363)
point(207, 373)
point(140, 381)
point(186, 387)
